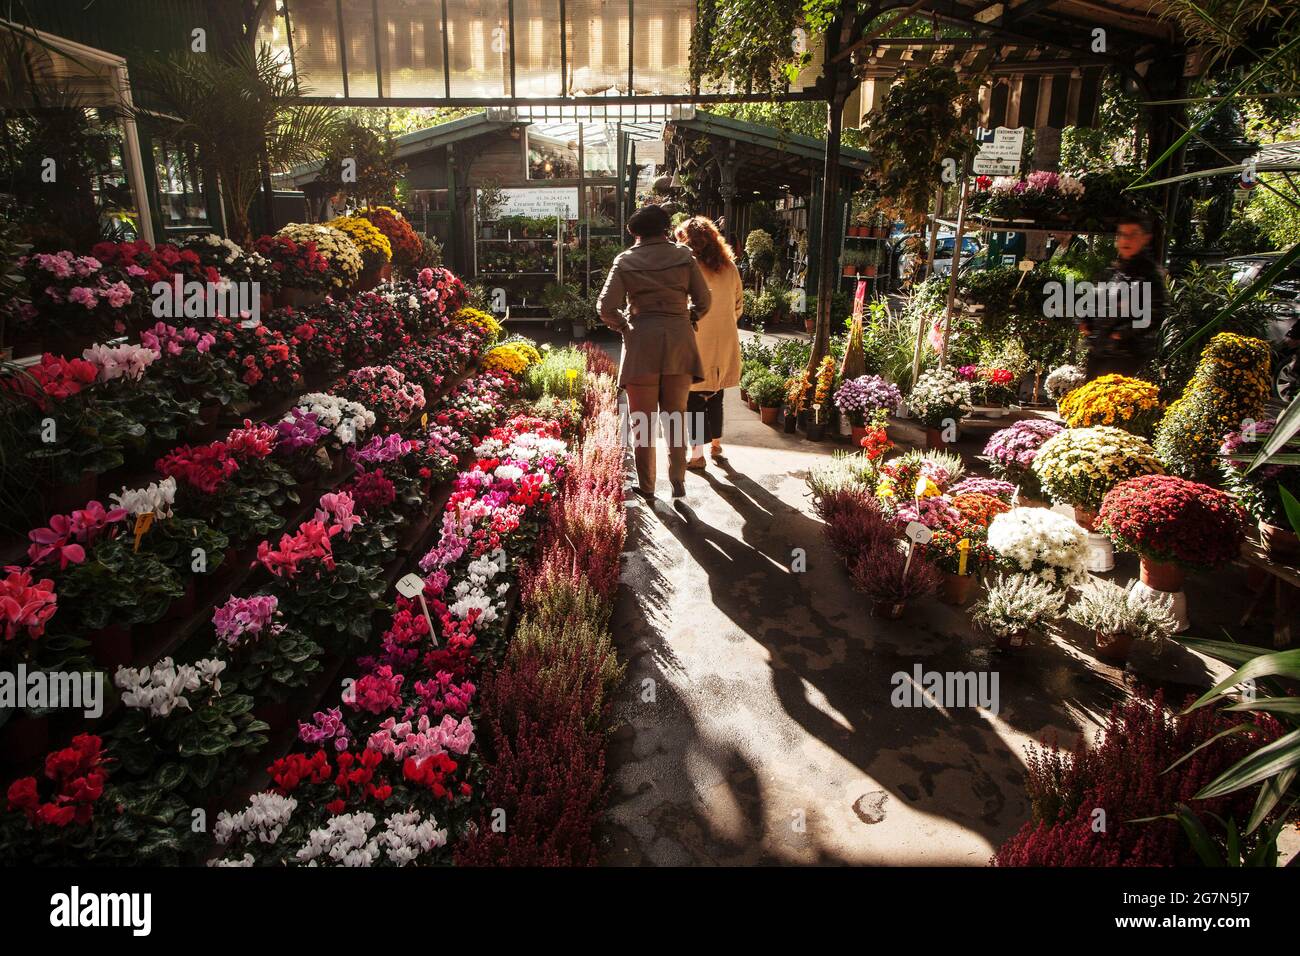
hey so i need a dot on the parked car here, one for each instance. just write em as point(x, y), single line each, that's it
point(944, 245)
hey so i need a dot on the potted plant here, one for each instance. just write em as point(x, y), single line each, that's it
point(893, 573)
point(1010, 453)
point(1062, 380)
point(819, 411)
point(1015, 607)
point(1079, 465)
point(264, 658)
point(860, 399)
point(768, 391)
point(489, 200)
point(1127, 403)
point(937, 400)
point(958, 553)
point(868, 260)
point(1042, 543)
point(1260, 491)
point(1117, 617)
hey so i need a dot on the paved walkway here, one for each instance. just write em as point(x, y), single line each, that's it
point(755, 725)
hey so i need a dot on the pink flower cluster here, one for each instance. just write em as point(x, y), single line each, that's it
point(66, 538)
point(310, 543)
point(326, 727)
point(167, 340)
point(26, 607)
point(336, 511)
point(242, 618)
point(402, 740)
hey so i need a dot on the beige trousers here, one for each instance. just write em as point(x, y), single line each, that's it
point(650, 400)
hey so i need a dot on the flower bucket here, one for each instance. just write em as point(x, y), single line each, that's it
point(768, 414)
point(816, 431)
point(1162, 575)
point(1101, 553)
point(934, 439)
point(68, 498)
point(1113, 647)
point(843, 427)
point(744, 396)
point(956, 589)
point(888, 609)
point(810, 326)
point(1280, 544)
point(790, 424)
point(112, 647)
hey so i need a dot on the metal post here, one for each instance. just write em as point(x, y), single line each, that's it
point(956, 264)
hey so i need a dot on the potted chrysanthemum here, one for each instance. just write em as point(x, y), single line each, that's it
point(1042, 543)
point(1172, 525)
point(1079, 465)
point(937, 400)
point(859, 399)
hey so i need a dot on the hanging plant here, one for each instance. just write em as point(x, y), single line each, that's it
point(925, 119)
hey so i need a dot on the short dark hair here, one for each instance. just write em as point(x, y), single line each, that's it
point(648, 221)
point(1136, 219)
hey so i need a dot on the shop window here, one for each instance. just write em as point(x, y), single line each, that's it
point(600, 150)
point(553, 151)
point(181, 200)
point(601, 211)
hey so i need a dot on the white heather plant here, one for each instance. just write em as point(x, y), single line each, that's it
point(938, 396)
point(1043, 543)
point(842, 471)
point(1016, 603)
point(1109, 609)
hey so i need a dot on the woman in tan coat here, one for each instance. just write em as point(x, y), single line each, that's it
point(715, 334)
point(649, 295)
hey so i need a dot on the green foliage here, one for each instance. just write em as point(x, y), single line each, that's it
point(551, 376)
point(377, 170)
point(925, 119)
point(768, 390)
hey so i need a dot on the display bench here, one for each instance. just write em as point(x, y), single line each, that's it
point(1278, 581)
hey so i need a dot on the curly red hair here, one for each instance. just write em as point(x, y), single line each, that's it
point(706, 242)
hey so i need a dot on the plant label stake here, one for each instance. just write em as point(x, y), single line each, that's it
point(963, 553)
point(412, 586)
point(424, 420)
point(917, 533)
point(143, 522)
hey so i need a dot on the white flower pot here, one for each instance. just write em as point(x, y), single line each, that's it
point(1176, 601)
point(1101, 553)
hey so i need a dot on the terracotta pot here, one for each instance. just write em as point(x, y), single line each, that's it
point(24, 739)
point(65, 499)
point(1086, 518)
point(753, 405)
point(934, 439)
point(888, 609)
point(768, 415)
point(850, 271)
point(810, 326)
point(298, 298)
point(744, 396)
point(112, 647)
point(956, 589)
point(1113, 647)
point(386, 272)
point(868, 271)
point(1280, 544)
point(1162, 575)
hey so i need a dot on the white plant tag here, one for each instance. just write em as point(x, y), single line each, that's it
point(918, 532)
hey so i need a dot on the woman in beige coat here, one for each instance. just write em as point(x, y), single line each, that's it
point(649, 295)
point(715, 334)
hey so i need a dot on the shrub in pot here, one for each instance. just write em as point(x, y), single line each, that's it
point(1016, 606)
point(1172, 524)
point(1117, 617)
point(893, 573)
point(768, 391)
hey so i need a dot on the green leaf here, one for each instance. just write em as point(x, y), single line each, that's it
point(1234, 729)
point(170, 776)
point(1265, 762)
point(1281, 663)
point(1270, 793)
point(1235, 654)
point(1200, 838)
point(1286, 427)
point(1292, 508)
point(1270, 705)
point(1261, 282)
